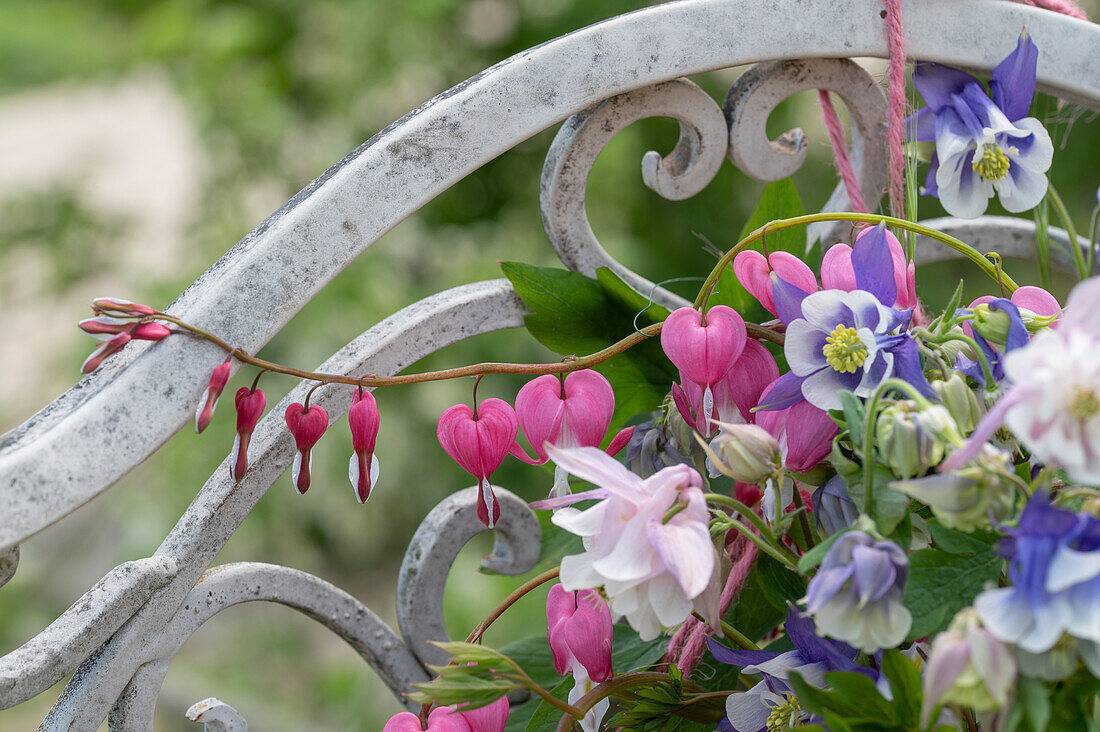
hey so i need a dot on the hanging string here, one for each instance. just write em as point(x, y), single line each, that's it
point(1065, 7)
point(840, 152)
point(895, 93)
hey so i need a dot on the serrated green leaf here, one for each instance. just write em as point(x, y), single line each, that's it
point(957, 542)
point(940, 584)
point(752, 614)
point(905, 685)
point(573, 315)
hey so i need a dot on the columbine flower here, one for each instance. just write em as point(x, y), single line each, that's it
point(856, 594)
point(307, 426)
point(479, 443)
point(1054, 566)
point(834, 509)
point(804, 432)
point(969, 667)
point(579, 630)
point(250, 405)
point(968, 498)
point(838, 272)
point(983, 146)
point(651, 568)
point(745, 452)
point(575, 412)
point(755, 273)
point(1053, 405)
point(363, 419)
point(1037, 308)
point(763, 707)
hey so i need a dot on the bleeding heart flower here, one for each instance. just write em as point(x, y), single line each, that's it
point(734, 395)
point(209, 402)
point(804, 433)
point(363, 418)
point(579, 630)
point(105, 349)
point(489, 718)
point(105, 326)
point(250, 406)
point(574, 414)
point(754, 272)
point(442, 719)
point(479, 444)
point(307, 426)
point(704, 352)
point(118, 305)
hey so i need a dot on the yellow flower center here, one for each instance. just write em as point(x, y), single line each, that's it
point(1083, 403)
point(784, 716)
point(843, 350)
point(993, 163)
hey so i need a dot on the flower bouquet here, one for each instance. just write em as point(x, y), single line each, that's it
point(823, 506)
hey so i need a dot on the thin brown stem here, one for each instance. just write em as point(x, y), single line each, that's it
point(372, 381)
point(476, 633)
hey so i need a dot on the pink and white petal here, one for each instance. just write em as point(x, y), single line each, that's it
point(597, 467)
point(686, 552)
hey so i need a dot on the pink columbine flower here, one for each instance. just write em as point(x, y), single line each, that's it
point(108, 348)
point(479, 443)
point(804, 433)
point(250, 406)
point(442, 719)
point(579, 630)
point(704, 349)
point(735, 394)
point(575, 413)
point(118, 305)
point(363, 418)
point(651, 570)
point(307, 426)
point(209, 402)
point(754, 272)
point(837, 272)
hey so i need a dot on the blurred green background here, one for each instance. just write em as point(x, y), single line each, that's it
point(140, 140)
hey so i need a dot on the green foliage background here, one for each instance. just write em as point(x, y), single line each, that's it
point(279, 90)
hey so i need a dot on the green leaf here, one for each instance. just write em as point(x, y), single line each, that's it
point(812, 558)
point(954, 302)
point(819, 701)
point(859, 690)
point(1033, 700)
point(940, 584)
point(752, 614)
point(574, 315)
point(956, 542)
point(854, 416)
point(905, 685)
point(779, 201)
point(646, 311)
point(545, 718)
point(890, 506)
point(781, 586)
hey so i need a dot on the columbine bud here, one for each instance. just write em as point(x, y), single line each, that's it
point(952, 349)
point(961, 401)
point(965, 499)
point(991, 324)
point(745, 452)
point(105, 349)
point(209, 402)
point(907, 447)
point(250, 406)
point(968, 667)
point(363, 418)
point(118, 305)
point(307, 426)
point(834, 509)
point(1035, 322)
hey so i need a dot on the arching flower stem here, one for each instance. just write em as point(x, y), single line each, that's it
point(928, 336)
point(1071, 230)
point(960, 246)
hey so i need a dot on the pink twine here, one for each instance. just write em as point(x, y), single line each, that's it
point(895, 132)
point(1065, 7)
point(840, 152)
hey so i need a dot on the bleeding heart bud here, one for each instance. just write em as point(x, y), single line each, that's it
point(209, 402)
point(364, 419)
point(105, 349)
point(118, 305)
point(250, 406)
point(307, 426)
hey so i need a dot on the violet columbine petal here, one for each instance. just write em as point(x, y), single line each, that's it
point(1017, 331)
point(787, 390)
point(907, 368)
point(936, 83)
point(788, 299)
point(834, 509)
point(874, 265)
point(805, 354)
point(1013, 82)
point(736, 656)
point(921, 126)
point(874, 573)
point(825, 585)
point(703, 352)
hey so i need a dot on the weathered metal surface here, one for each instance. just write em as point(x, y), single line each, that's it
point(1008, 236)
point(760, 90)
point(216, 716)
point(9, 562)
point(47, 658)
point(432, 551)
point(222, 505)
point(74, 449)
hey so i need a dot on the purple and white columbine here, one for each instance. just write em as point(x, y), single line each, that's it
point(856, 594)
point(983, 146)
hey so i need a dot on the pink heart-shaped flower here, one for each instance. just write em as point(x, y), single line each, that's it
point(250, 406)
point(703, 353)
point(306, 426)
point(364, 420)
point(574, 415)
point(479, 445)
point(442, 719)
